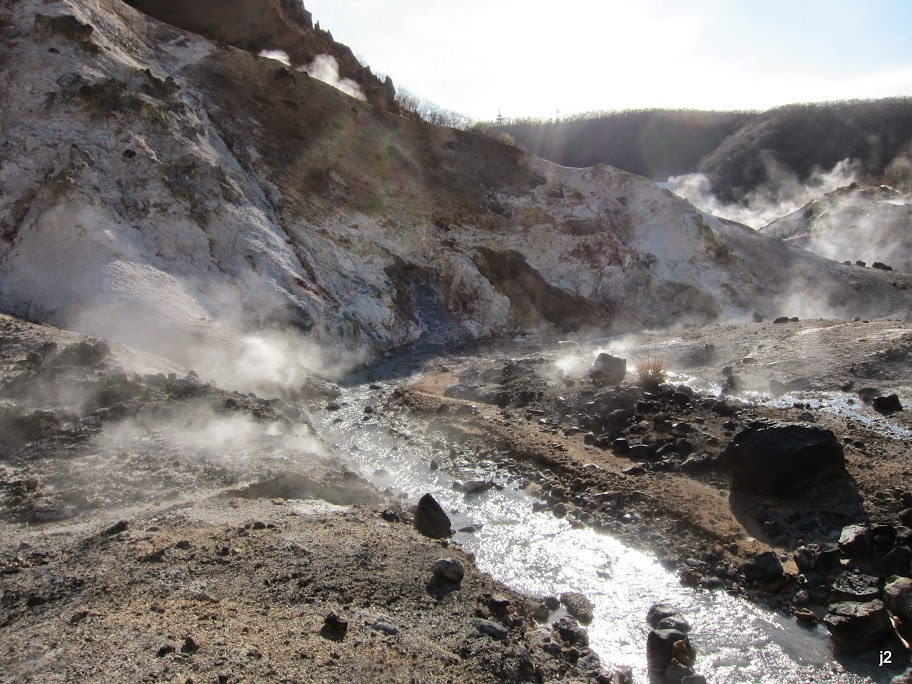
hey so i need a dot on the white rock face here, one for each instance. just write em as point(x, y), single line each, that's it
point(853, 223)
point(187, 200)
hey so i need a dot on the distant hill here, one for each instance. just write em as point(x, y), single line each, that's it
point(654, 143)
point(733, 149)
point(802, 137)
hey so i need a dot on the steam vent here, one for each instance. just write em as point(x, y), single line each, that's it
point(306, 378)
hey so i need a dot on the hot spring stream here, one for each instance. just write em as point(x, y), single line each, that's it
point(538, 554)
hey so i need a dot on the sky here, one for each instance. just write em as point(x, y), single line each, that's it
point(533, 58)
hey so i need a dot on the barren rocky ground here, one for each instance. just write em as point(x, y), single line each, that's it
point(157, 528)
point(649, 465)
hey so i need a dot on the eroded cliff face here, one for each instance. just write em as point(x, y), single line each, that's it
point(163, 190)
point(256, 25)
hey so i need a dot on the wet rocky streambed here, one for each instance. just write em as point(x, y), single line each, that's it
point(541, 553)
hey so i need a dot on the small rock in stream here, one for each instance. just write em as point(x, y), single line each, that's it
point(430, 518)
point(578, 605)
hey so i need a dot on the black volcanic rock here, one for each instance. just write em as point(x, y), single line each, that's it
point(858, 626)
point(769, 458)
point(431, 520)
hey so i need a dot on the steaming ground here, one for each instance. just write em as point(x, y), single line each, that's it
point(82, 435)
point(209, 534)
point(853, 223)
point(218, 212)
point(782, 194)
point(193, 196)
point(831, 214)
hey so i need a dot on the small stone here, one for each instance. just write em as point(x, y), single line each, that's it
point(449, 570)
point(856, 540)
point(579, 606)
point(334, 628)
point(191, 645)
point(806, 617)
point(490, 628)
point(570, 632)
point(887, 404)
point(674, 622)
point(383, 624)
point(898, 598)
point(858, 626)
point(806, 557)
point(658, 612)
point(905, 517)
point(855, 587)
point(612, 368)
point(676, 671)
point(660, 644)
point(116, 528)
point(764, 567)
point(541, 613)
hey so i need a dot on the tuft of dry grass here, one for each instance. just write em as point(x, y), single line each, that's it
point(651, 372)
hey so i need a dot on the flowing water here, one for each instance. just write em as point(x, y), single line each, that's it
point(540, 555)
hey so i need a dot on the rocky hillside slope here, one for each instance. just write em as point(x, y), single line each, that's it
point(853, 224)
point(270, 25)
point(172, 193)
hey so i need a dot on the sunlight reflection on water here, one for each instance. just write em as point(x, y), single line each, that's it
point(539, 555)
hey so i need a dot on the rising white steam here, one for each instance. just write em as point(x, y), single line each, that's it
point(866, 224)
point(278, 55)
point(325, 68)
point(782, 194)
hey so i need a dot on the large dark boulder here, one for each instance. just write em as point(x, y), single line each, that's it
point(850, 586)
point(858, 626)
point(431, 520)
point(611, 369)
point(898, 598)
point(769, 458)
point(764, 567)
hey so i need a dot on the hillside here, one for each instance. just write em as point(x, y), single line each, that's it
point(284, 25)
point(734, 150)
point(187, 191)
point(809, 137)
point(651, 143)
point(850, 224)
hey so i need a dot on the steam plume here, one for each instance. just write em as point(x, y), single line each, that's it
point(325, 68)
point(782, 194)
